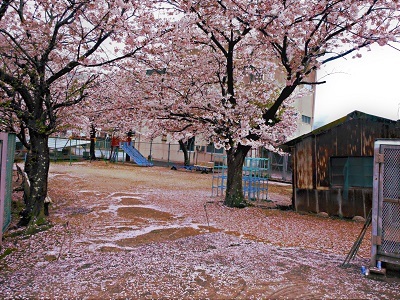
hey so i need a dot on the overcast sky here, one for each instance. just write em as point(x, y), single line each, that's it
point(370, 84)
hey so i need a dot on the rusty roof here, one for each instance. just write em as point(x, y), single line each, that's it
point(351, 116)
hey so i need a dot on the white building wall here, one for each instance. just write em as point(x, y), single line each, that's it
point(164, 149)
point(305, 107)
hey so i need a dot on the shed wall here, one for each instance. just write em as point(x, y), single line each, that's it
point(313, 191)
point(358, 202)
point(304, 164)
point(326, 146)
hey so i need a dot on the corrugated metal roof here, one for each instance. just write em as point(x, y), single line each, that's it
point(351, 116)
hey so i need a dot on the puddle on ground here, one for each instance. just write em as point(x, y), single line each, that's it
point(132, 212)
point(110, 249)
point(135, 213)
point(130, 201)
point(90, 193)
point(121, 195)
point(159, 235)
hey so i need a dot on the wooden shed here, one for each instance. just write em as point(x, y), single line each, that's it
point(333, 165)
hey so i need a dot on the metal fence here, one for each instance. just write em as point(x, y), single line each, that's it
point(386, 203)
point(279, 164)
point(64, 148)
point(7, 150)
point(165, 153)
point(170, 153)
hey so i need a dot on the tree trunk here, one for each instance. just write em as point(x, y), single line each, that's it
point(234, 186)
point(184, 148)
point(37, 168)
point(92, 142)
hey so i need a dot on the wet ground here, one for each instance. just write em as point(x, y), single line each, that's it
point(153, 233)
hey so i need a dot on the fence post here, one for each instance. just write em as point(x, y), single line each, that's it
point(55, 149)
point(169, 151)
point(70, 151)
point(151, 146)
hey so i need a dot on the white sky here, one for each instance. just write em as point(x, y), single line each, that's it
point(370, 84)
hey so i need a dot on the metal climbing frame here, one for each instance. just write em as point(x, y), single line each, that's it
point(386, 203)
point(220, 176)
point(255, 178)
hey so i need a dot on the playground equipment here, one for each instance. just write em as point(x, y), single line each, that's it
point(255, 178)
point(137, 157)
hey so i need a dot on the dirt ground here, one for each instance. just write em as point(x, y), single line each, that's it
point(125, 232)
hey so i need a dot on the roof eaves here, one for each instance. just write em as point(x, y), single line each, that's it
point(351, 116)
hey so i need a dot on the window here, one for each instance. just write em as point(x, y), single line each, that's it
point(211, 149)
point(351, 171)
point(306, 119)
point(308, 87)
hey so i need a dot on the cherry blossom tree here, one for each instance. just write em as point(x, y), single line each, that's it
point(51, 53)
point(108, 107)
point(233, 65)
point(4, 6)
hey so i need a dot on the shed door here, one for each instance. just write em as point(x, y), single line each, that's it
point(386, 206)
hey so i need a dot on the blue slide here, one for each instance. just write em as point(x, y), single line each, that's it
point(137, 157)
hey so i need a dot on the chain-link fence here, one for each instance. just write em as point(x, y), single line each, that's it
point(164, 153)
point(385, 244)
point(64, 148)
point(280, 168)
point(391, 203)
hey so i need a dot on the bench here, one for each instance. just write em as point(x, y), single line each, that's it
point(204, 167)
point(26, 185)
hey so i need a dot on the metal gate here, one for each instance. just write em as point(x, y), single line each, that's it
point(386, 203)
point(7, 151)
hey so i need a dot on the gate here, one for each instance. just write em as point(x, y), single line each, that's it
point(385, 244)
point(7, 150)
